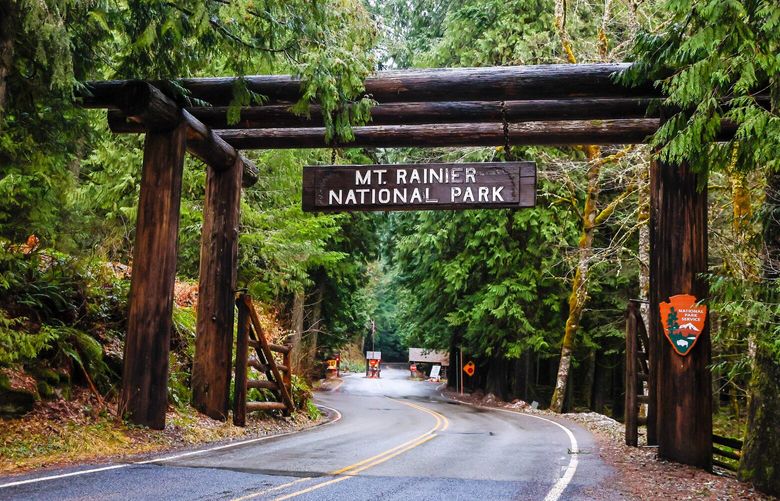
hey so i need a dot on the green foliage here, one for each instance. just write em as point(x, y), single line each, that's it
point(713, 59)
point(495, 32)
point(76, 187)
point(301, 392)
point(326, 43)
point(279, 242)
point(482, 275)
point(56, 308)
point(84, 350)
point(312, 411)
point(182, 355)
point(467, 33)
point(17, 344)
point(357, 366)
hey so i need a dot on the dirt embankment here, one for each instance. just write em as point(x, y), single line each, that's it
point(62, 432)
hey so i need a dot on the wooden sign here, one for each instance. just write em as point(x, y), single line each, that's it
point(469, 368)
point(683, 321)
point(331, 188)
point(431, 356)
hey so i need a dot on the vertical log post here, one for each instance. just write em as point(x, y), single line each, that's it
point(631, 406)
point(678, 255)
point(242, 357)
point(287, 376)
point(211, 369)
point(643, 341)
point(144, 397)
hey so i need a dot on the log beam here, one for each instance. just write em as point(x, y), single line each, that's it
point(437, 135)
point(144, 396)
point(147, 107)
point(280, 116)
point(211, 370)
point(461, 84)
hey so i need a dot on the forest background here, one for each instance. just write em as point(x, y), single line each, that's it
point(535, 297)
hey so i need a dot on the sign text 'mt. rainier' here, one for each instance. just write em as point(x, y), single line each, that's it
point(419, 186)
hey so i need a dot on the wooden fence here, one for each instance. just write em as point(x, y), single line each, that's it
point(729, 452)
point(278, 376)
point(638, 372)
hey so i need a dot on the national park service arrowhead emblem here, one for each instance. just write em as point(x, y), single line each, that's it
point(683, 321)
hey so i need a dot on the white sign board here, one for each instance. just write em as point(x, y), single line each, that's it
point(430, 356)
point(435, 371)
point(373, 355)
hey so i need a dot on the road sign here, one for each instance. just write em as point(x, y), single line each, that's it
point(329, 188)
point(469, 368)
point(373, 355)
point(435, 371)
point(683, 321)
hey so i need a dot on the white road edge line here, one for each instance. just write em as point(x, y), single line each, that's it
point(169, 458)
point(563, 482)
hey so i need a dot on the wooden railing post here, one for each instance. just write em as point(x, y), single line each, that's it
point(242, 357)
point(265, 348)
point(144, 396)
point(631, 405)
point(287, 375)
point(648, 367)
point(211, 368)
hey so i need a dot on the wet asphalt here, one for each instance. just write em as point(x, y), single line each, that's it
point(392, 438)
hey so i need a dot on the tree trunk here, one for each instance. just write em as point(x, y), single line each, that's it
point(760, 462)
point(643, 190)
point(579, 287)
point(315, 324)
point(496, 377)
point(6, 51)
point(587, 385)
point(761, 452)
point(453, 371)
point(296, 324)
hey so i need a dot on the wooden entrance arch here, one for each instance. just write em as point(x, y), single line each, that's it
point(544, 105)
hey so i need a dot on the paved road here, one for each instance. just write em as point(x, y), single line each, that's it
point(394, 439)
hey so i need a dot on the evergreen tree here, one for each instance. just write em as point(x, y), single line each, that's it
point(719, 64)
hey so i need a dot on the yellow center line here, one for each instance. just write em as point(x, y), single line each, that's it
point(353, 473)
point(349, 471)
point(386, 458)
point(429, 411)
point(266, 491)
point(355, 465)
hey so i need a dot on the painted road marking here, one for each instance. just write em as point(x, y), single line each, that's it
point(168, 458)
point(348, 472)
point(563, 482)
point(353, 473)
point(278, 487)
